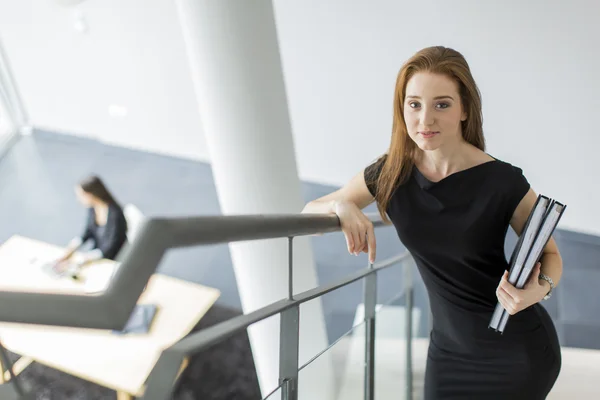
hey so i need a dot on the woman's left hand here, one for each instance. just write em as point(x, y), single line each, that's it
point(514, 300)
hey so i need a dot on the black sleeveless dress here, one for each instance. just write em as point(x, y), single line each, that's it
point(455, 229)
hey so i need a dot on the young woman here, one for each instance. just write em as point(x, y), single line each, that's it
point(451, 204)
point(106, 226)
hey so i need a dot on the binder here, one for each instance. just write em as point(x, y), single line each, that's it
point(538, 229)
point(550, 221)
point(521, 250)
point(527, 237)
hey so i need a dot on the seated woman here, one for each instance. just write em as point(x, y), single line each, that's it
point(106, 226)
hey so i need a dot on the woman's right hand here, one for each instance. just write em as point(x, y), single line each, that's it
point(357, 228)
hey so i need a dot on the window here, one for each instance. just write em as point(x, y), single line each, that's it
point(12, 115)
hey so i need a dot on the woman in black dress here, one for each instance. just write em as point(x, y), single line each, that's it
point(451, 204)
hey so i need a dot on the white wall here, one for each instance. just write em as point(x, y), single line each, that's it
point(535, 63)
point(132, 56)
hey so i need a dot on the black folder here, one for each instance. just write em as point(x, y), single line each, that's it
point(521, 250)
point(538, 229)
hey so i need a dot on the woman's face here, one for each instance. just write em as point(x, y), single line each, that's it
point(84, 198)
point(433, 111)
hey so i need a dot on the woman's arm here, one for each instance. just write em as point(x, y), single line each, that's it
point(355, 192)
point(72, 247)
point(347, 204)
point(78, 241)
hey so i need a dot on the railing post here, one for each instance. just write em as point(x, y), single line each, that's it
point(290, 268)
point(408, 325)
point(289, 339)
point(288, 352)
point(370, 301)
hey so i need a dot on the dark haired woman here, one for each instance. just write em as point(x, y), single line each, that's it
point(106, 226)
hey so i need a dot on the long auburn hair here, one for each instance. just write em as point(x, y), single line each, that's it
point(399, 161)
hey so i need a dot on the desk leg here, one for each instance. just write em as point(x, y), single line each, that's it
point(18, 367)
point(184, 364)
point(124, 396)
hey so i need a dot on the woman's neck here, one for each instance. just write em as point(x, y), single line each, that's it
point(447, 160)
point(100, 207)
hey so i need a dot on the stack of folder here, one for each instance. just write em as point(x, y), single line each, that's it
point(537, 232)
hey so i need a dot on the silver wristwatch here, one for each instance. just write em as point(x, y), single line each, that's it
point(550, 281)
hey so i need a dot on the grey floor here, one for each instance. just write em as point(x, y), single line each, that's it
point(38, 174)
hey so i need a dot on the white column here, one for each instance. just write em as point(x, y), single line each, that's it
point(236, 67)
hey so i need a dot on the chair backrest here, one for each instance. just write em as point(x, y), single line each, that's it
point(134, 218)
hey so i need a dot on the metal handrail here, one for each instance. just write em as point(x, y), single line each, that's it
point(198, 341)
point(112, 309)
point(163, 377)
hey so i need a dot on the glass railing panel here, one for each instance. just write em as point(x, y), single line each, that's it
point(275, 394)
point(343, 363)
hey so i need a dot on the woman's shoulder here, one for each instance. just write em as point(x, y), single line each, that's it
point(506, 169)
point(509, 178)
point(373, 170)
point(115, 206)
point(115, 211)
point(371, 173)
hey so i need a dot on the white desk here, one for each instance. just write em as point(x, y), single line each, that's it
point(119, 362)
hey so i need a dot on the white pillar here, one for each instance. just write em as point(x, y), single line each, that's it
point(235, 63)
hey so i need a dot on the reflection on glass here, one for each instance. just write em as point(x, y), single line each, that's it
point(392, 373)
point(6, 127)
point(339, 307)
point(346, 356)
point(275, 395)
point(264, 336)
